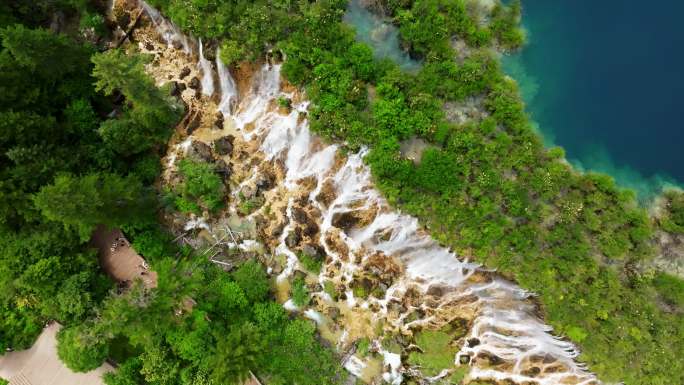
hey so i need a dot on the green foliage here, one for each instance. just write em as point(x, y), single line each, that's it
point(41, 52)
point(671, 289)
point(153, 243)
point(284, 102)
point(362, 347)
point(673, 218)
point(74, 298)
point(202, 188)
point(80, 350)
point(236, 354)
point(39, 13)
point(44, 273)
point(152, 113)
point(437, 352)
point(248, 206)
point(126, 374)
point(85, 202)
point(329, 288)
point(505, 25)
point(311, 263)
point(252, 279)
point(300, 293)
point(58, 179)
point(231, 52)
point(93, 22)
point(201, 326)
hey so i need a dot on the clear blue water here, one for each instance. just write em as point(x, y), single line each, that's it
point(380, 35)
point(605, 80)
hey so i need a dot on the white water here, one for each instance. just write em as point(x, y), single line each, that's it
point(504, 319)
point(505, 323)
point(168, 30)
point(207, 72)
point(229, 93)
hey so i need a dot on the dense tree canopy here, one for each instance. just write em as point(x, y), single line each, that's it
point(59, 177)
point(201, 324)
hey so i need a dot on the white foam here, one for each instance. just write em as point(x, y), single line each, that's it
point(207, 72)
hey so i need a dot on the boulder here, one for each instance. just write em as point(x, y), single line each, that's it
point(184, 72)
point(310, 228)
point(298, 274)
point(200, 151)
point(344, 220)
point(265, 182)
point(175, 89)
point(327, 193)
point(313, 251)
point(300, 215)
point(224, 146)
point(531, 372)
point(195, 83)
point(293, 238)
point(218, 122)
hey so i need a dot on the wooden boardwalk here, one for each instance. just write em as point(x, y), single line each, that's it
point(40, 364)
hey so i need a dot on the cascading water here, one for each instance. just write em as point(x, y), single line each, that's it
point(207, 72)
point(229, 93)
point(332, 197)
point(168, 30)
point(504, 323)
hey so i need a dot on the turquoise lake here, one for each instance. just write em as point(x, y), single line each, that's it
point(605, 80)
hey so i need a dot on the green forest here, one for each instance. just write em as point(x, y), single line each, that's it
point(84, 127)
point(83, 131)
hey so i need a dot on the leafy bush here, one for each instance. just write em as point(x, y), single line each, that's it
point(202, 187)
point(80, 350)
point(673, 219)
point(300, 293)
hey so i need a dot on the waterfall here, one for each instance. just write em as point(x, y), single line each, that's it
point(502, 318)
point(168, 30)
point(229, 93)
point(505, 324)
point(207, 72)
